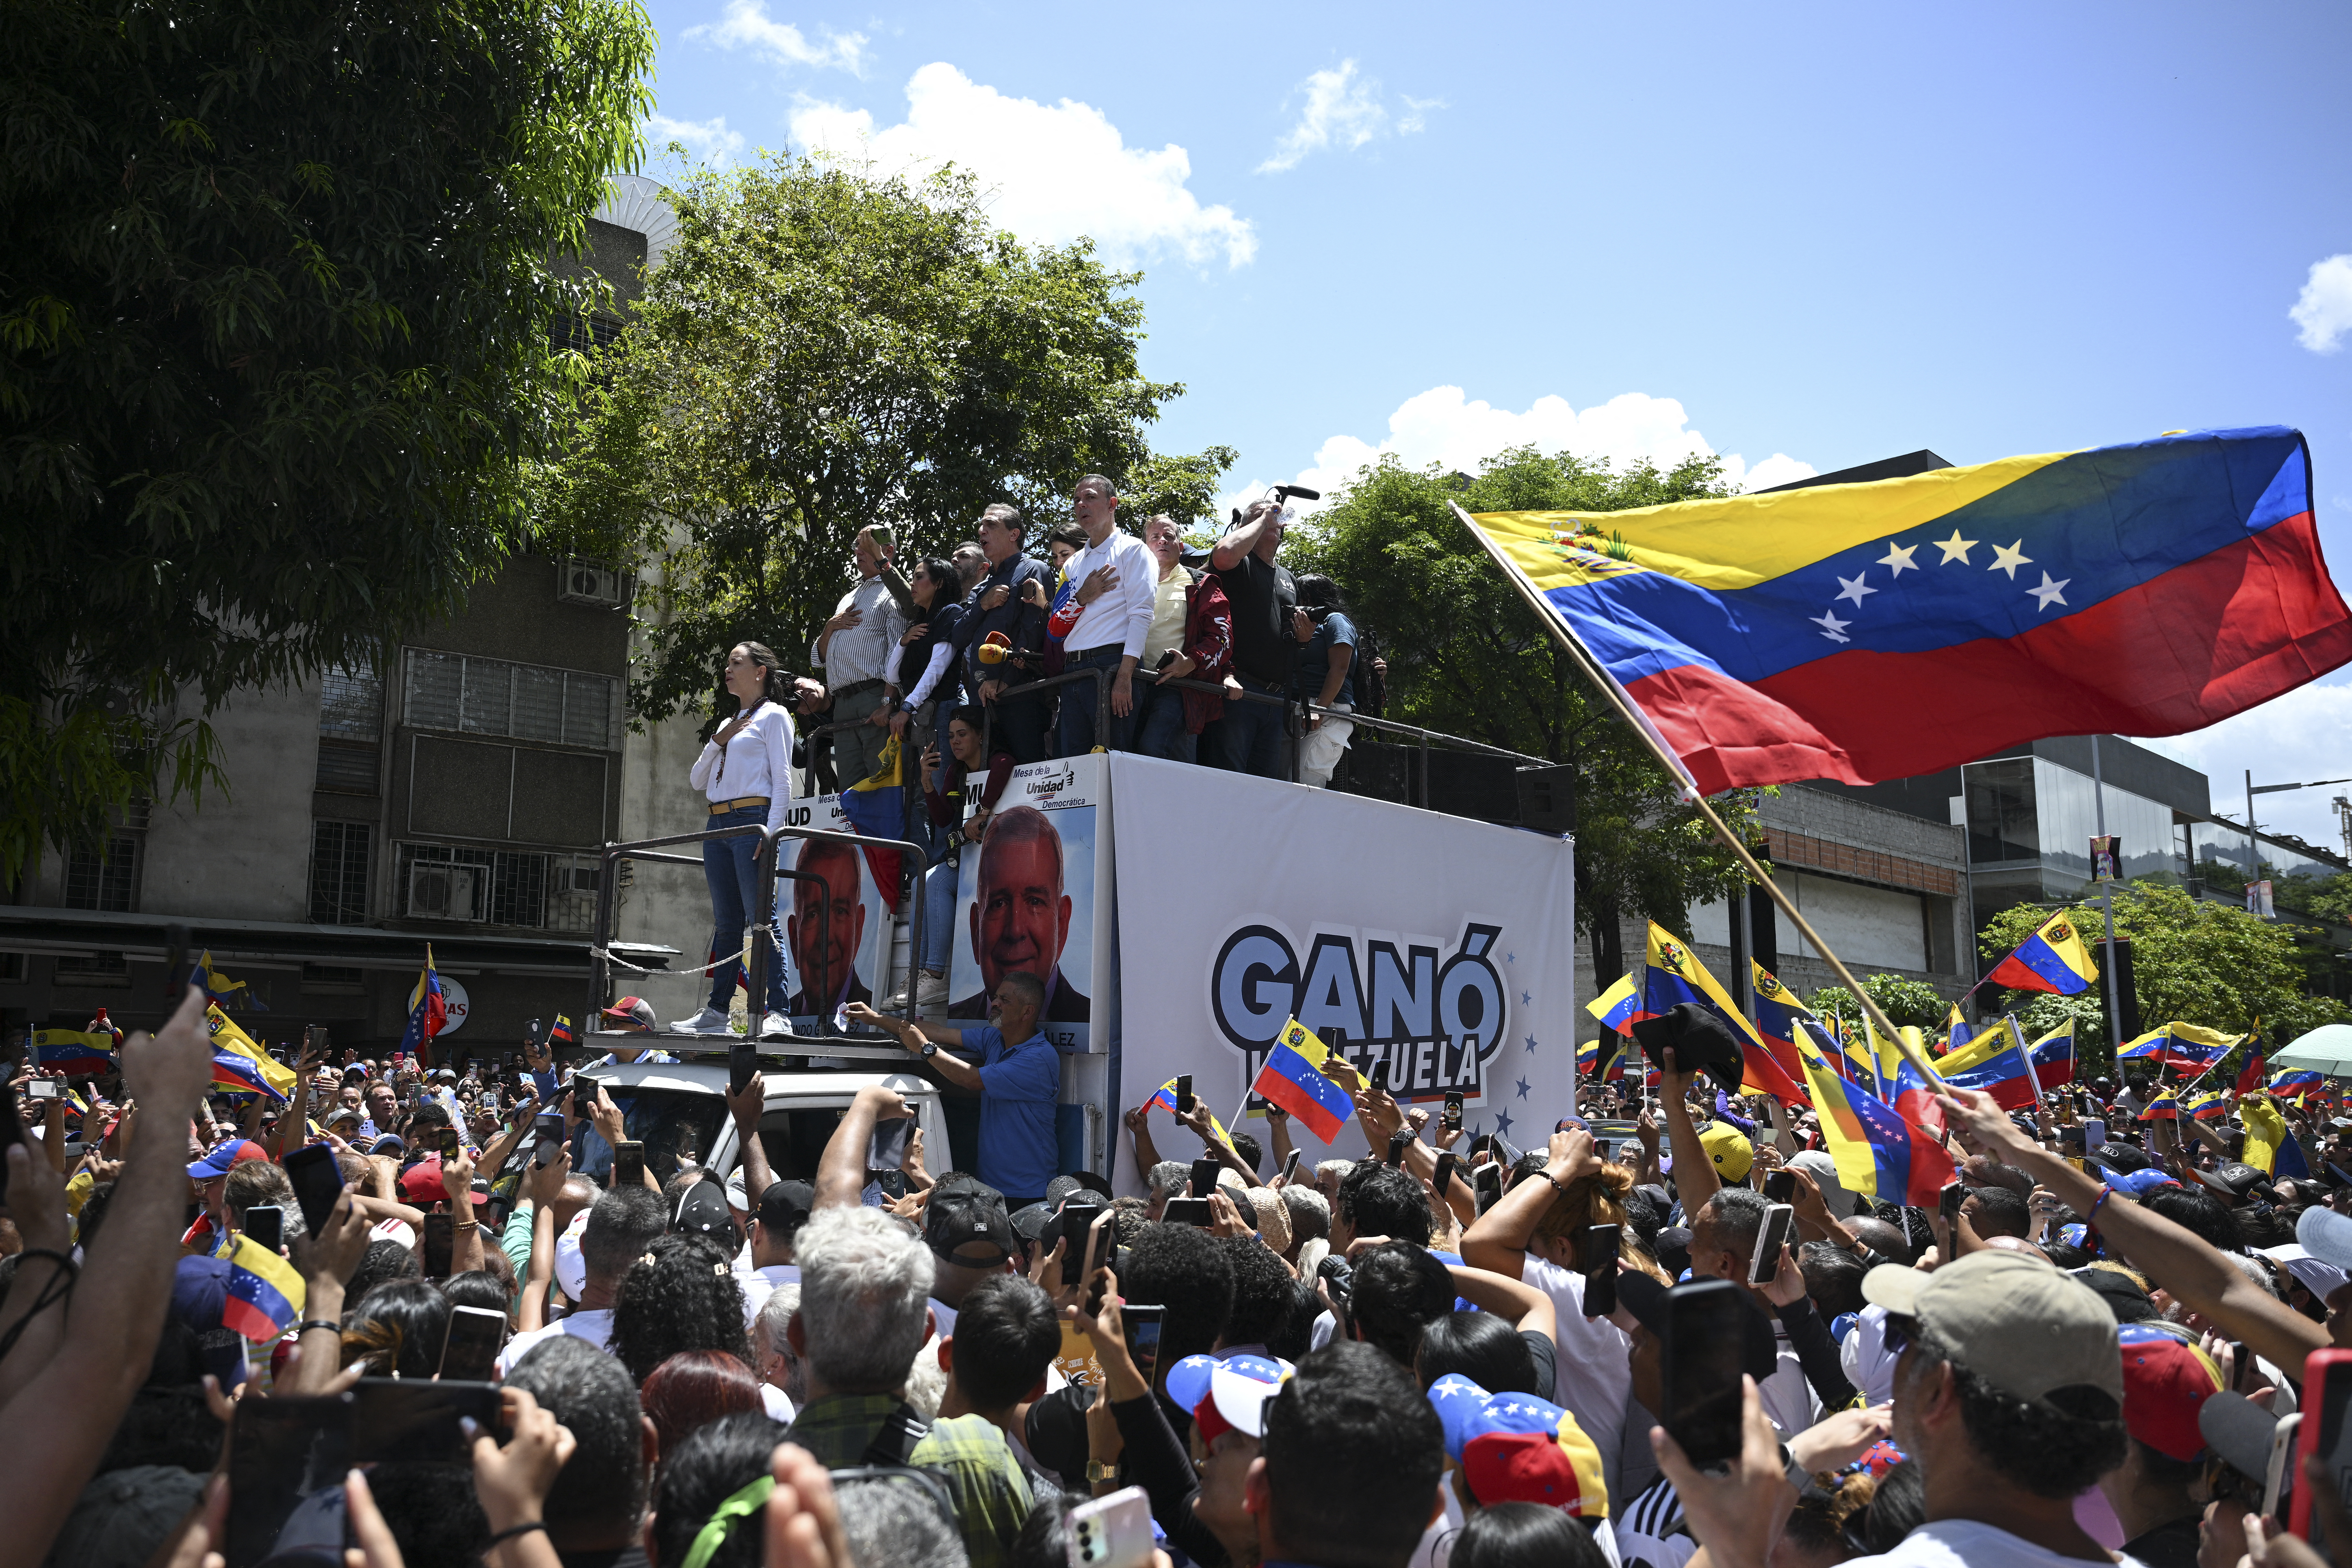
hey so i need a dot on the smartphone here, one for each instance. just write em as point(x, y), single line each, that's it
point(318, 1183)
point(440, 1240)
point(2238, 1360)
point(471, 1349)
point(532, 1032)
point(547, 1134)
point(1954, 1194)
point(2094, 1133)
point(420, 1420)
point(1381, 1074)
point(450, 1143)
point(1076, 1220)
point(281, 1451)
point(1112, 1531)
point(1486, 1185)
point(1451, 1117)
point(1397, 1141)
point(1187, 1211)
point(1141, 1325)
point(1596, 1259)
point(628, 1163)
point(2278, 1477)
point(1705, 1340)
point(1443, 1178)
point(1290, 1167)
point(1205, 1175)
point(2324, 1435)
point(887, 1149)
point(266, 1223)
point(743, 1065)
point(1780, 1222)
point(1779, 1186)
point(2072, 1139)
point(1184, 1093)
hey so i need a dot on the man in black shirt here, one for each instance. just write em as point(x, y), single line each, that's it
point(1265, 649)
point(996, 605)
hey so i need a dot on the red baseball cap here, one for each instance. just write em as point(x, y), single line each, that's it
point(633, 1010)
point(2166, 1381)
point(421, 1183)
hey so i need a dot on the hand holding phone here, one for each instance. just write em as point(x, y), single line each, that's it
point(628, 1163)
point(1444, 1176)
point(1771, 1239)
point(1450, 1118)
point(1947, 1205)
point(1397, 1141)
point(1205, 1175)
point(1184, 1094)
point(1704, 1351)
point(1596, 1259)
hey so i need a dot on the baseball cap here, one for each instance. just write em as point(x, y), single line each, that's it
point(2327, 1235)
point(632, 1010)
point(123, 1516)
point(1515, 1448)
point(702, 1210)
point(737, 1198)
point(2122, 1296)
point(1058, 1190)
point(1029, 1221)
point(228, 1151)
point(2233, 1179)
point(785, 1205)
point(2018, 1323)
point(2166, 1381)
point(421, 1183)
point(1733, 1154)
point(1647, 1300)
point(2125, 1157)
point(967, 1225)
point(2315, 1275)
point(343, 1114)
point(390, 1143)
point(2140, 1184)
point(1820, 1165)
point(1227, 1395)
point(199, 1297)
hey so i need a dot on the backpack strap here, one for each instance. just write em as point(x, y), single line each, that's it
point(901, 1430)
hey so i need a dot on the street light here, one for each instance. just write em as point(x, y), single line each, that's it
point(2254, 849)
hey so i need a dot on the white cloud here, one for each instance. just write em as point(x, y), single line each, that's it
point(708, 140)
point(2325, 310)
point(1444, 426)
point(2288, 739)
point(748, 25)
point(1051, 172)
point(1342, 112)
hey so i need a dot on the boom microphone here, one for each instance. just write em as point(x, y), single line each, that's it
point(1300, 492)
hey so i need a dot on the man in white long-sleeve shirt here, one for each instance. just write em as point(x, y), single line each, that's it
point(854, 648)
point(1116, 576)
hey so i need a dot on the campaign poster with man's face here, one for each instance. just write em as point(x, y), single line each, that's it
point(835, 923)
point(1025, 901)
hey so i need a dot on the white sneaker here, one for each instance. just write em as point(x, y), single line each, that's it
point(775, 1026)
point(709, 1021)
point(894, 1003)
point(933, 991)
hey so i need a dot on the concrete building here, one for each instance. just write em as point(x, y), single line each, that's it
point(455, 793)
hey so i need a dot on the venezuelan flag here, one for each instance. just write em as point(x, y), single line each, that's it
point(1615, 1006)
point(1990, 1062)
point(74, 1052)
point(1672, 974)
point(1957, 1031)
point(265, 1296)
point(2296, 1083)
point(2146, 589)
point(2053, 959)
point(1878, 1151)
point(231, 1071)
point(561, 1034)
point(2179, 1045)
point(219, 987)
point(2208, 1105)
point(876, 807)
point(1293, 1078)
point(1777, 1011)
point(2165, 1107)
point(276, 1075)
point(1165, 1096)
point(428, 1008)
point(1588, 1057)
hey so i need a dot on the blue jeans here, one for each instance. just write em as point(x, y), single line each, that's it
point(1160, 724)
point(1255, 736)
point(1075, 737)
point(939, 917)
point(727, 867)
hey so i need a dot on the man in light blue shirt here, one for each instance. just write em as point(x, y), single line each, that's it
point(1018, 1076)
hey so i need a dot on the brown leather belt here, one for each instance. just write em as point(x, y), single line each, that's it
point(749, 800)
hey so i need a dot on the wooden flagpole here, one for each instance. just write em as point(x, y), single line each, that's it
point(1618, 699)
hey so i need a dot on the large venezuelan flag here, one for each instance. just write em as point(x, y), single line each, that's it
point(2000, 1071)
point(1878, 1153)
point(2053, 959)
point(2179, 1045)
point(1615, 1006)
point(1877, 631)
point(1672, 974)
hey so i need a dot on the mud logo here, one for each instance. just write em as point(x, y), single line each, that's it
point(1429, 1019)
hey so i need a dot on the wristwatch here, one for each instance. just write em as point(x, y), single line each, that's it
point(930, 1048)
point(1098, 1472)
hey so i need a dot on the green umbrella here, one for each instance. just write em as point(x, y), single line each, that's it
point(2327, 1049)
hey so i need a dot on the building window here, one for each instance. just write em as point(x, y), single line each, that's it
point(108, 969)
point(350, 731)
point(506, 886)
point(104, 881)
point(339, 873)
point(494, 696)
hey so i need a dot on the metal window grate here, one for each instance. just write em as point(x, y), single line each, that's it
point(351, 704)
point(348, 769)
point(339, 852)
point(519, 880)
point(104, 882)
point(494, 696)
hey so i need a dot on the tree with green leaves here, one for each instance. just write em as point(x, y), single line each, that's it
point(2194, 961)
point(1906, 1002)
point(277, 344)
point(820, 350)
point(1466, 656)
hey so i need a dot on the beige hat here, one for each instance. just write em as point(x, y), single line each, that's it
point(1273, 1218)
point(2022, 1325)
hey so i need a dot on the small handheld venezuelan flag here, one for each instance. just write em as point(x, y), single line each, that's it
point(1293, 1078)
point(561, 1035)
point(265, 1295)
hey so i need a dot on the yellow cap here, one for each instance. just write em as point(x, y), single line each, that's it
point(1733, 1154)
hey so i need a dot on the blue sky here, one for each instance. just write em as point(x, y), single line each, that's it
point(1803, 237)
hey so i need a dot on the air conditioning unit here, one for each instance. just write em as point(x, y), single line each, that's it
point(441, 891)
point(587, 582)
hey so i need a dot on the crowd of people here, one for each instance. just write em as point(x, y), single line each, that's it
point(964, 636)
point(482, 1343)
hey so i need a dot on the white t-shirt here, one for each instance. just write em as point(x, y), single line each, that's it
point(1593, 1377)
point(595, 1327)
point(760, 1283)
point(1865, 1359)
point(1965, 1543)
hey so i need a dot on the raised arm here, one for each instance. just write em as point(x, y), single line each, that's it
point(841, 1170)
point(1498, 1240)
point(1694, 1177)
point(746, 1109)
point(1521, 1305)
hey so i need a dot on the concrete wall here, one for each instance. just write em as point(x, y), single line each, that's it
point(247, 855)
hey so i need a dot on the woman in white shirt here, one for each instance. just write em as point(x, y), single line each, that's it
point(745, 771)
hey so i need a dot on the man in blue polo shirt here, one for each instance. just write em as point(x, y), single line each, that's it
point(1018, 1076)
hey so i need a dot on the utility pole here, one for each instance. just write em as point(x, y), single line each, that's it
point(2107, 904)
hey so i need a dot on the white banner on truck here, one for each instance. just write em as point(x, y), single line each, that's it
point(1437, 948)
